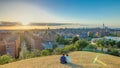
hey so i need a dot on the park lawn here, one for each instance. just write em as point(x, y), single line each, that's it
point(80, 59)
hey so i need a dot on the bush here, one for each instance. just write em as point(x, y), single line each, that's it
point(58, 51)
point(91, 47)
point(51, 51)
point(65, 49)
point(36, 52)
point(45, 52)
point(6, 59)
point(29, 54)
point(114, 51)
point(68, 48)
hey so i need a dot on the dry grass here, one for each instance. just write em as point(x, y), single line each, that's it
point(79, 60)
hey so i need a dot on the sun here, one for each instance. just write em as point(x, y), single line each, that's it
point(25, 21)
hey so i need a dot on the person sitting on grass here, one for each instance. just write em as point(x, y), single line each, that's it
point(68, 58)
point(63, 59)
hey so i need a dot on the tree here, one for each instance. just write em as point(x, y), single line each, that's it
point(60, 39)
point(54, 46)
point(80, 44)
point(66, 41)
point(75, 39)
point(100, 42)
point(118, 44)
point(107, 42)
point(112, 42)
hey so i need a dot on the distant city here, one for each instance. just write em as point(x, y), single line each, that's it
point(13, 41)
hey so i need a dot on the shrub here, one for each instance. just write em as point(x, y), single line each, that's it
point(58, 51)
point(6, 59)
point(45, 52)
point(114, 51)
point(36, 52)
point(69, 48)
point(29, 55)
point(90, 47)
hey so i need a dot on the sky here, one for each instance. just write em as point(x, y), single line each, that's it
point(89, 12)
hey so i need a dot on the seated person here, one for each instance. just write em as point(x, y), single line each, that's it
point(63, 59)
point(68, 58)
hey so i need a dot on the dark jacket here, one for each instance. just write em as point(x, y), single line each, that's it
point(63, 59)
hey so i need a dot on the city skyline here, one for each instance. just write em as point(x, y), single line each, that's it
point(93, 12)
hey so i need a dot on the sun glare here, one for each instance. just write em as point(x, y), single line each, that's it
point(24, 22)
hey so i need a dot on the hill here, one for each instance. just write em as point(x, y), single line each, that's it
point(80, 59)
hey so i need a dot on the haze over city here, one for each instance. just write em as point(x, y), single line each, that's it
point(87, 12)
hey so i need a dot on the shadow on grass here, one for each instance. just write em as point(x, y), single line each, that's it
point(72, 65)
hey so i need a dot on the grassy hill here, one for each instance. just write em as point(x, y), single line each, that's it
point(80, 59)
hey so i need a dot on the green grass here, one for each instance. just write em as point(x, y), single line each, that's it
point(80, 59)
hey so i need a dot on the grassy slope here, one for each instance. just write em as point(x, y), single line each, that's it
point(79, 60)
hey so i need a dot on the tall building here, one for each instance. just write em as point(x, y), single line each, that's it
point(34, 41)
point(12, 46)
point(2, 48)
point(9, 44)
point(104, 31)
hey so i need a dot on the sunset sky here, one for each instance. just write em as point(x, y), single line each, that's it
point(62, 11)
